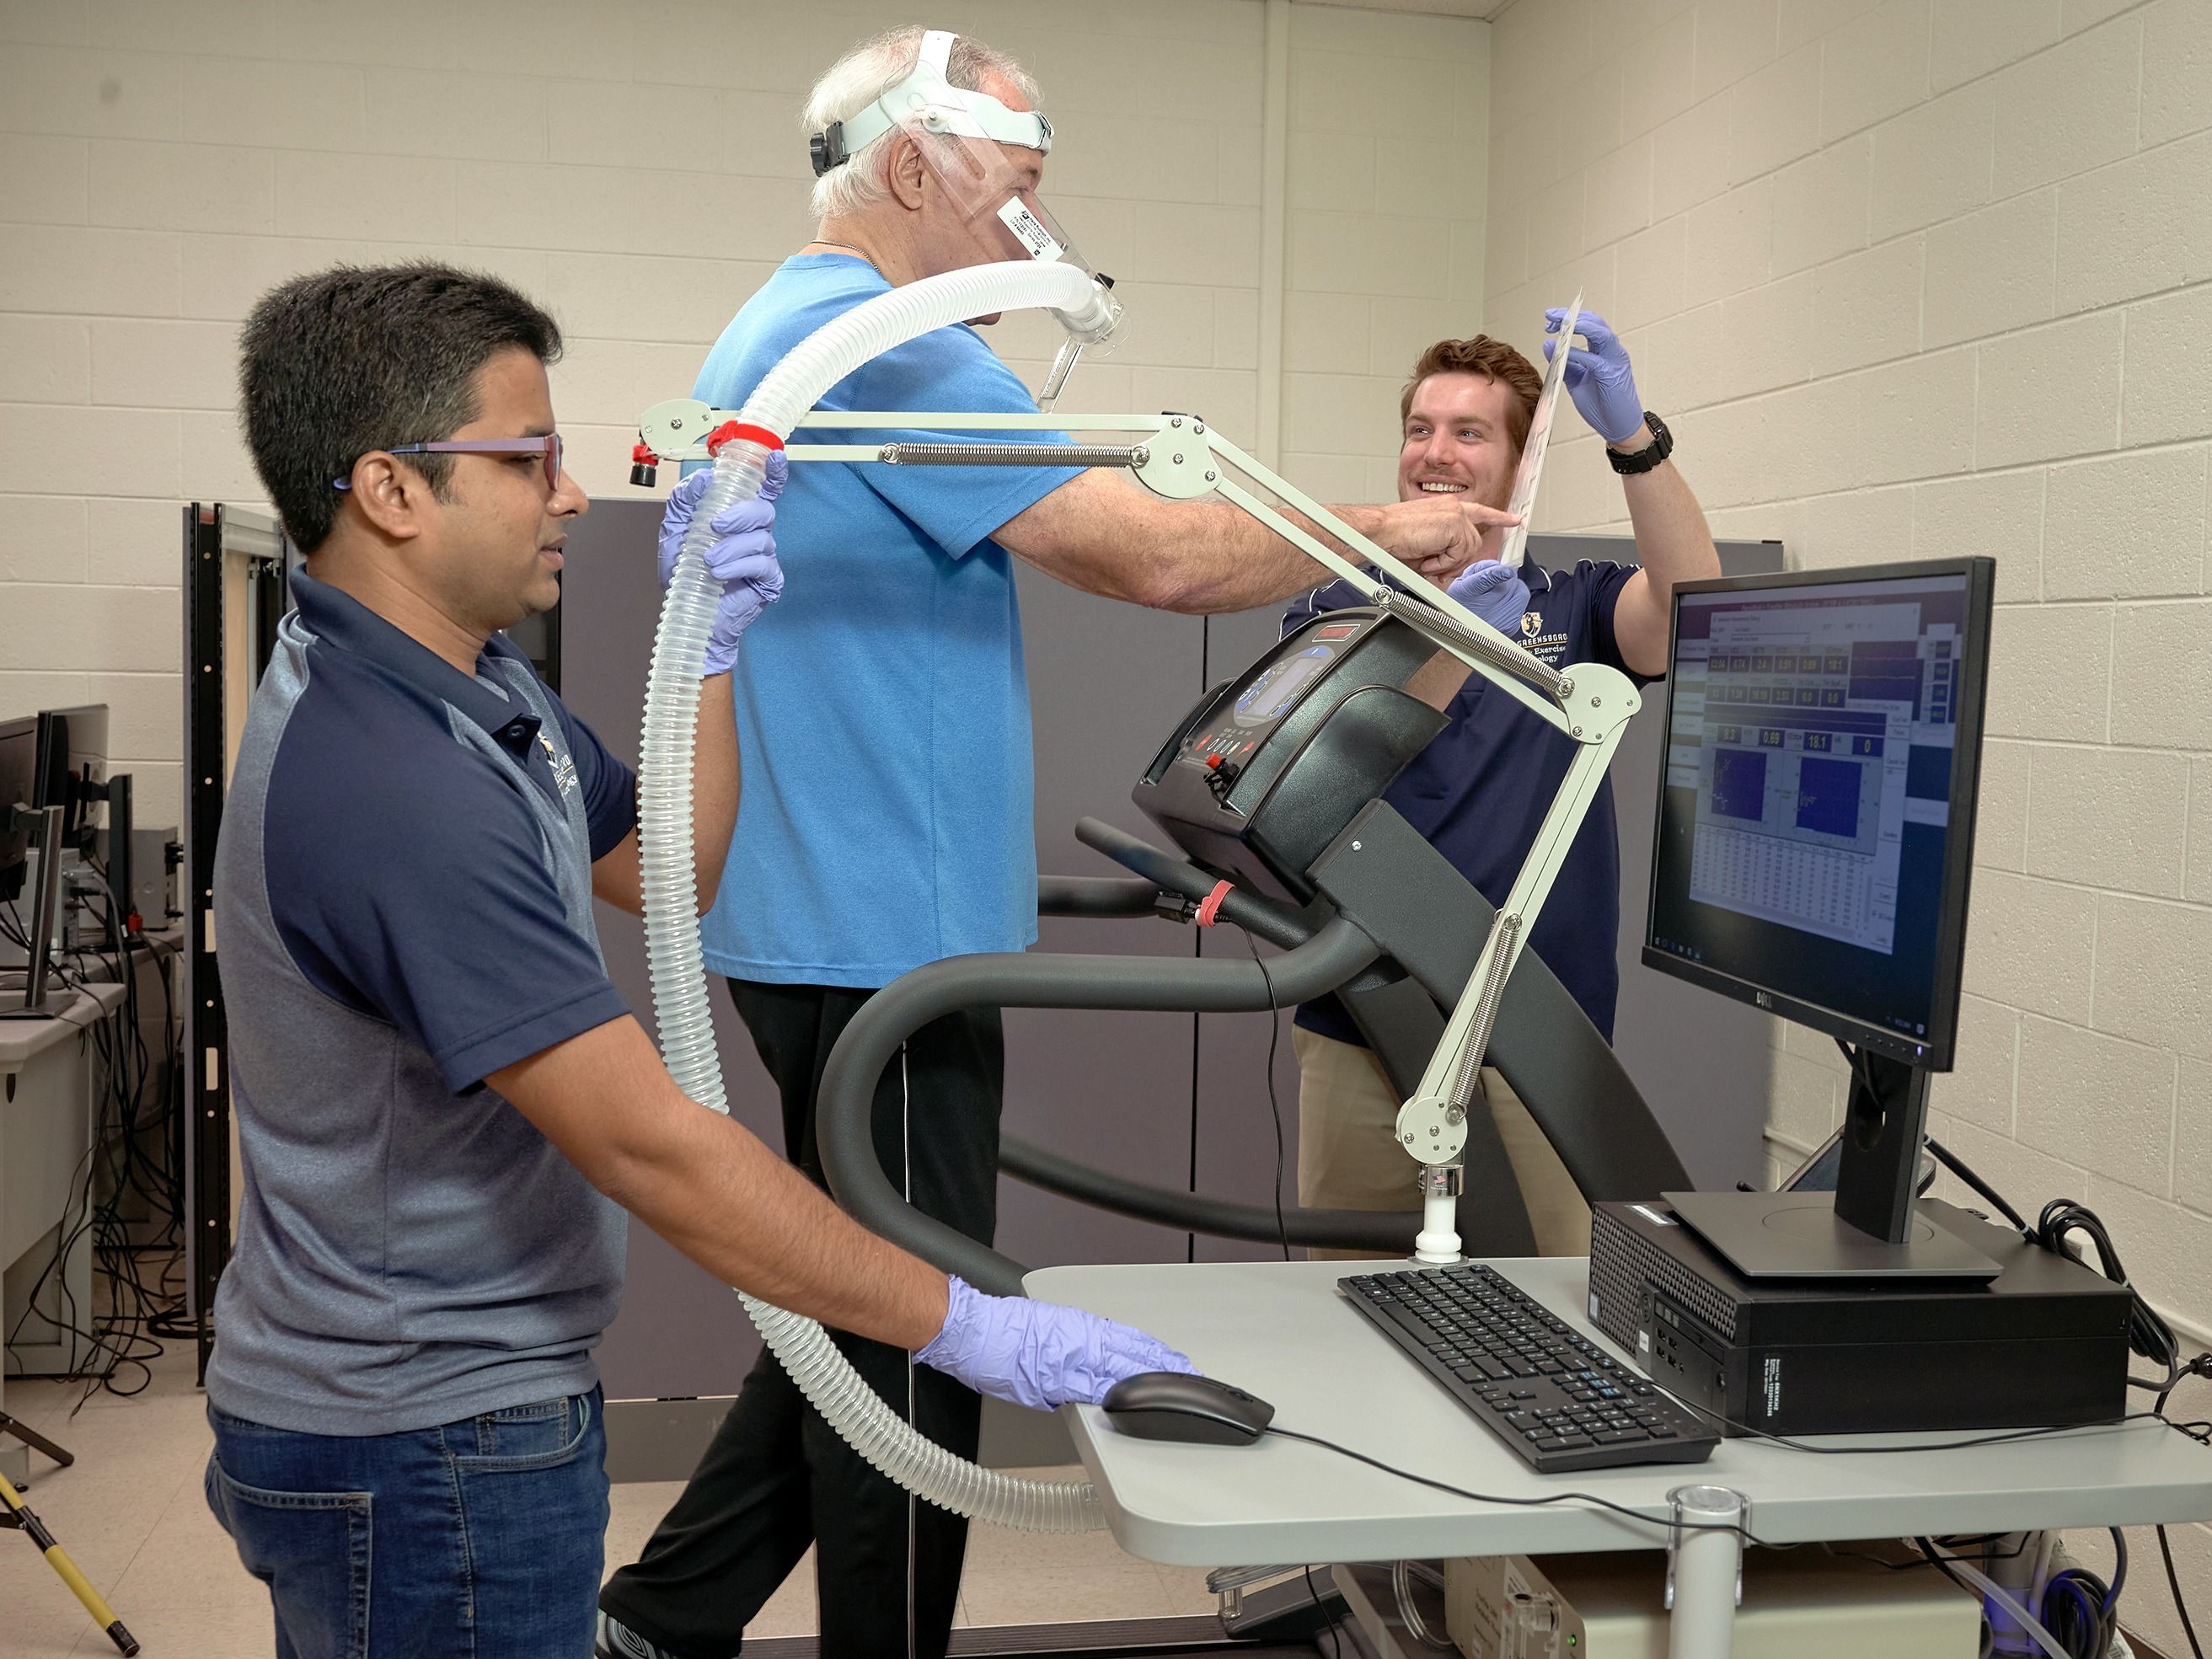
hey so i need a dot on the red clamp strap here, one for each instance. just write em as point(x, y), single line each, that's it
point(729, 431)
point(641, 456)
point(1209, 907)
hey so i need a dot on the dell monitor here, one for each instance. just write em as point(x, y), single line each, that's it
point(1815, 839)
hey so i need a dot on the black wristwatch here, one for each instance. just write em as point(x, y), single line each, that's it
point(1661, 447)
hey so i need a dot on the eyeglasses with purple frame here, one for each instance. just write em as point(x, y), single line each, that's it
point(549, 447)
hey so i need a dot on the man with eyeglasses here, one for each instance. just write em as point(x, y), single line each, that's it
point(443, 1106)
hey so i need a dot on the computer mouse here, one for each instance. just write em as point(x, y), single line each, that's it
point(1175, 1406)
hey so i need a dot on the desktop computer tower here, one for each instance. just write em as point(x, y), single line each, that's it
point(2045, 1344)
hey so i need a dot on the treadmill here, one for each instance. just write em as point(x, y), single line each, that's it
point(1269, 793)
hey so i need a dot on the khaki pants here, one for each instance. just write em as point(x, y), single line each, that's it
point(1349, 1158)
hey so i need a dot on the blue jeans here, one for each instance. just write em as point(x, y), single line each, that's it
point(477, 1539)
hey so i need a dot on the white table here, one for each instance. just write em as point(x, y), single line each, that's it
point(48, 1077)
point(1280, 1330)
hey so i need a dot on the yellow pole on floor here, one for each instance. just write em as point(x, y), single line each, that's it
point(58, 1559)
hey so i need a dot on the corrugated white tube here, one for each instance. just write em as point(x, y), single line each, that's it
point(672, 927)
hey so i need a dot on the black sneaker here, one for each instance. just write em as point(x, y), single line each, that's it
point(616, 1640)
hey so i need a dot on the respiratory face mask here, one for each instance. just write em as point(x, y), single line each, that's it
point(959, 134)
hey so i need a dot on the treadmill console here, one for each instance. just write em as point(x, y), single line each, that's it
point(1270, 766)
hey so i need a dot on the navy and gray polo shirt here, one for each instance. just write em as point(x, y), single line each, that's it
point(1478, 792)
point(403, 902)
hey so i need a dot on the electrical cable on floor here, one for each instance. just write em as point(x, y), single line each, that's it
point(128, 1334)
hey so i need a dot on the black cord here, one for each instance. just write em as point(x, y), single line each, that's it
point(2084, 1627)
point(1934, 1558)
point(2076, 1609)
point(2200, 1366)
point(1957, 1545)
point(2173, 1583)
point(1335, 1641)
point(129, 1334)
point(1282, 1231)
point(2084, 1430)
point(1957, 1167)
point(1274, 1106)
point(1590, 1499)
point(2148, 1335)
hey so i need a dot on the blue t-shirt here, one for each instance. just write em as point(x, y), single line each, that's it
point(882, 704)
point(403, 889)
point(1478, 792)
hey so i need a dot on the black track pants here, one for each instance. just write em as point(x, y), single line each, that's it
point(776, 1478)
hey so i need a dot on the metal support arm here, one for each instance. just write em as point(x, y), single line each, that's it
point(1181, 459)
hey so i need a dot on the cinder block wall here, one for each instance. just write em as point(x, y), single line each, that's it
point(1928, 277)
point(161, 165)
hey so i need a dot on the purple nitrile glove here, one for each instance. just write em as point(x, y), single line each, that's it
point(1598, 377)
point(1494, 593)
point(1039, 1354)
point(742, 559)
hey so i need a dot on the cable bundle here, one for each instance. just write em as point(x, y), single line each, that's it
point(142, 1089)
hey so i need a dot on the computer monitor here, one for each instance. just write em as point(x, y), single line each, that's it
point(19, 749)
point(72, 769)
point(1815, 846)
point(27, 821)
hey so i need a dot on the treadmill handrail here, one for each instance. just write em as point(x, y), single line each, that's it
point(1096, 895)
point(1386, 1232)
point(1242, 908)
point(845, 1112)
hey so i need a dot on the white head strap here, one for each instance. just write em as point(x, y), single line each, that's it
point(926, 98)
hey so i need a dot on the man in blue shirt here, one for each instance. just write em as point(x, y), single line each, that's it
point(443, 1106)
point(1480, 790)
point(882, 710)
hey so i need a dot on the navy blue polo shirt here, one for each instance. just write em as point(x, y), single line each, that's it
point(1478, 792)
point(403, 903)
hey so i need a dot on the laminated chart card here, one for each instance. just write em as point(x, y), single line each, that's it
point(1540, 434)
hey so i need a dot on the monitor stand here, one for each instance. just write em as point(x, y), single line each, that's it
point(1869, 1228)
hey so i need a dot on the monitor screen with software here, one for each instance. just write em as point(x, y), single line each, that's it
point(1816, 810)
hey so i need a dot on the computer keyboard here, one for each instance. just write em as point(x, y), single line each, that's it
point(1554, 1396)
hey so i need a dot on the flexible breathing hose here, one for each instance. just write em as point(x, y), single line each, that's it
point(673, 953)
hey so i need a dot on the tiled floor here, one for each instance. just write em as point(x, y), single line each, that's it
point(130, 1513)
